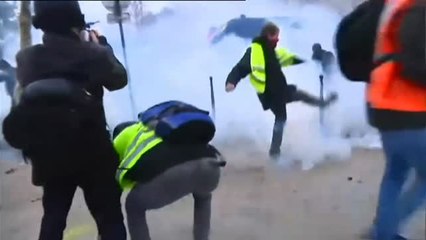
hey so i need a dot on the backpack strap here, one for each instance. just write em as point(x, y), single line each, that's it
point(385, 58)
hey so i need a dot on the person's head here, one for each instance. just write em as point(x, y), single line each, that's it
point(271, 32)
point(316, 47)
point(59, 17)
point(243, 16)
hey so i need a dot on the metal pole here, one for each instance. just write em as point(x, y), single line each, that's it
point(118, 14)
point(321, 77)
point(212, 98)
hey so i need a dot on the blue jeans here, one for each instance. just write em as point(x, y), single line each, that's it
point(404, 150)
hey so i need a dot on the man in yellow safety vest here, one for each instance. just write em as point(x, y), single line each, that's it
point(158, 173)
point(263, 62)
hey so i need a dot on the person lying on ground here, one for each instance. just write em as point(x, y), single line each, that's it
point(246, 27)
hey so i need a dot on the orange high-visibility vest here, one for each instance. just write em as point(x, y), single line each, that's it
point(388, 89)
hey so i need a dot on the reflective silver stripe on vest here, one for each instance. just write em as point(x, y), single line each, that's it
point(133, 144)
point(134, 154)
point(257, 68)
point(388, 11)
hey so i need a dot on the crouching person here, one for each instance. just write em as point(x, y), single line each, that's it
point(165, 156)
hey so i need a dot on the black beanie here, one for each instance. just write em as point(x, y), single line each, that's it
point(57, 16)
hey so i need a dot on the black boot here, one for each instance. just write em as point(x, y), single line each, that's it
point(315, 101)
point(277, 139)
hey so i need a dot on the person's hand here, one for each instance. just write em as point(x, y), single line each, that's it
point(84, 35)
point(94, 36)
point(229, 87)
point(90, 36)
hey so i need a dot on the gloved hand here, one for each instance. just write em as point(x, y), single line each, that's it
point(229, 87)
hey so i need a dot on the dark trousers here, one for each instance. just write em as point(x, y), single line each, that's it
point(102, 196)
point(280, 113)
point(198, 177)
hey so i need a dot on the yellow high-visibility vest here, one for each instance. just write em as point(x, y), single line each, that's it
point(131, 144)
point(257, 61)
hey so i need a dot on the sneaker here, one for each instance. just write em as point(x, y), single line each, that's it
point(332, 98)
point(274, 154)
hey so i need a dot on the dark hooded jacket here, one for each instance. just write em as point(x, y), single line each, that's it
point(89, 65)
point(325, 58)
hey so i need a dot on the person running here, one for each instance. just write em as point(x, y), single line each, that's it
point(396, 95)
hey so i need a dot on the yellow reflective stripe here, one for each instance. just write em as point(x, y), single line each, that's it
point(285, 61)
point(125, 165)
point(124, 138)
point(257, 61)
point(257, 79)
point(133, 144)
point(284, 57)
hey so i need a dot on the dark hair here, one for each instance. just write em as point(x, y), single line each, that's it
point(269, 29)
point(316, 47)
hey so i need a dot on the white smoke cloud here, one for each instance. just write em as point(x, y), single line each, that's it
point(172, 60)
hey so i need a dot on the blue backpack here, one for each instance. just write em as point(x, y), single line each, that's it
point(179, 122)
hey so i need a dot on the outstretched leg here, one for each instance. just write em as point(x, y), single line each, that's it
point(300, 95)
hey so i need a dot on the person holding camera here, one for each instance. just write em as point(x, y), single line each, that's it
point(83, 156)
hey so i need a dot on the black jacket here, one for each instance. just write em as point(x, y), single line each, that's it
point(92, 67)
point(277, 90)
point(325, 58)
